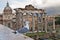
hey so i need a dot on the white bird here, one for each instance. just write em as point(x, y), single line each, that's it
point(24, 29)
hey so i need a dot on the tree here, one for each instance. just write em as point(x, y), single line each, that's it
point(57, 20)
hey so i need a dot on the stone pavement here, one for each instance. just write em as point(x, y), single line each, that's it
point(7, 34)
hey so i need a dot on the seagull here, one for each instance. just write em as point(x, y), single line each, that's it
point(24, 29)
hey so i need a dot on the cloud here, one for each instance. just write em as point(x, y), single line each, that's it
point(46, 3)
point(36, 3)
point(14, 4)
point(53, 10)
point(52, 6)
point(18, 4)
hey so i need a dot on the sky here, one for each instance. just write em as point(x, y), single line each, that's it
point(51, 6)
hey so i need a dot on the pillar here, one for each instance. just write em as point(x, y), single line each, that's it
point(54, 24)
point(45, 23)
point(33, 22)
point(37, 22)
point(41, 22)
point(21, 19)
point(18, 19)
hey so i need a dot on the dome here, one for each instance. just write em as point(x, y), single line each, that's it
point(7, 7)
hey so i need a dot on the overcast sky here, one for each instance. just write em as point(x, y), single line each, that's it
point(51, 6)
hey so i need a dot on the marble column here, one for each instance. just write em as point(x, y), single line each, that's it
point(22, 20)
point(18, 19)
point(45, 23)
point(38, 23)
point(54, 24)
point(33, 22)
point(41, 22)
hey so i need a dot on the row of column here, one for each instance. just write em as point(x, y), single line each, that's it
point(19, 21)
point(39, 23)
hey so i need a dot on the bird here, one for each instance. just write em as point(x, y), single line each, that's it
point(24, 29)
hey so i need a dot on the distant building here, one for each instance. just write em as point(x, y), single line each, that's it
point(7, 16)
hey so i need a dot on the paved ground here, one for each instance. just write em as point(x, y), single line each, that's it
point(7, 34)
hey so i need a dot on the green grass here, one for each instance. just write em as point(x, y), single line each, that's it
point(39, 33)
point(33, 34)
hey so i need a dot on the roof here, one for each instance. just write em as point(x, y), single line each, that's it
point(7, 7)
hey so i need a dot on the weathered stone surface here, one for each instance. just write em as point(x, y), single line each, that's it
point(7, 34)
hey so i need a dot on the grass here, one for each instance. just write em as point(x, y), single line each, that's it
point(39, 33)
point(33, 34)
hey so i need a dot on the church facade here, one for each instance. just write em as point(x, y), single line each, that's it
point(7, 16)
